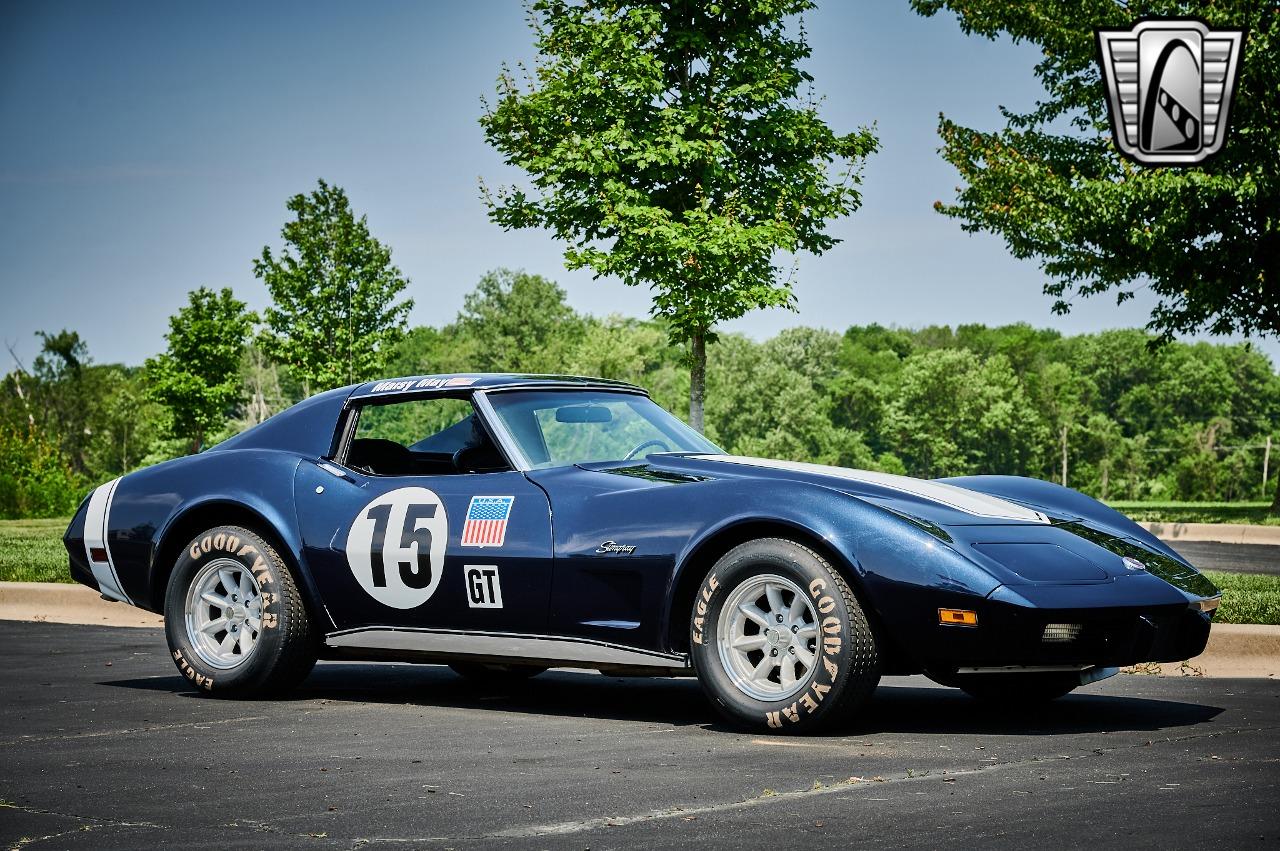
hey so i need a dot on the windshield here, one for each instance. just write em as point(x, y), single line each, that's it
point(556, 428)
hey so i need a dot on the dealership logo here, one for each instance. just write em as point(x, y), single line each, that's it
point(1169, 85)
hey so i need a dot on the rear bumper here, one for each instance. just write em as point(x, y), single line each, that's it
point(73, 540)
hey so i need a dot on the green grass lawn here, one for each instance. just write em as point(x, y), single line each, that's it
point(1198, 512)
point(1247, 597)
point(32, 551)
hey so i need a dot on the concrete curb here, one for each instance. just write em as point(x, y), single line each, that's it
point(1238, 650)
point(1216, 533)
point(1235, 650)
point(57, 602)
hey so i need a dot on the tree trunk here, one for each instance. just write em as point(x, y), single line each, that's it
point(697, 378)
point(1064, 454)
point(1275, 503)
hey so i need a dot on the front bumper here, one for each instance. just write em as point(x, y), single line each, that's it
point(1106, 637)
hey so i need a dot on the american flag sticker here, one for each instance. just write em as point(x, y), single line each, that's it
point(486, 524)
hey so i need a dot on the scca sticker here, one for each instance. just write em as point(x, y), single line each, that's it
point(396, 547)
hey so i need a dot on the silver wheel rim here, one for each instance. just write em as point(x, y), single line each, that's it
point(767, 637)
point(224, 613)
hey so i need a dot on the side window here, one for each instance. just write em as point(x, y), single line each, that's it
point(422, 437)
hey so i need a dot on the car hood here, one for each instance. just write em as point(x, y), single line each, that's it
point(939, 502)
point(993, 531)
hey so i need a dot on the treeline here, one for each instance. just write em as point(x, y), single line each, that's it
point(1118, 419)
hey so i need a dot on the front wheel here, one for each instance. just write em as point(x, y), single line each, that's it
point(779, 640)
point(233, 616)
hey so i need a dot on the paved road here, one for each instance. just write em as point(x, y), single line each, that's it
point(102, 745)
point(1236, 558)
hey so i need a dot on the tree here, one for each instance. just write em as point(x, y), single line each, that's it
point(1061, 400)
point(519, 322)
point(1205, 240)
point(669, 145)
point(260, 380)
point(198, 378)
point(954, 414)
point(126, 422)
point(62, 394)
point(35, 480)
point(763, 405)
point(334, 315)
point(634, 350)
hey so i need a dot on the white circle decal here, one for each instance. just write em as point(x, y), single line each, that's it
point(396, 547)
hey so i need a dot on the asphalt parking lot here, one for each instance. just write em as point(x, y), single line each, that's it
point(1234, 558)
point(103, 745)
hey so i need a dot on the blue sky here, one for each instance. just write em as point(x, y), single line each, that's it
point(149, 148)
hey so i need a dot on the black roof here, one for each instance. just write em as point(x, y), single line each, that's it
point(485, 381)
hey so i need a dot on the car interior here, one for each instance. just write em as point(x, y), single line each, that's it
point(464, 447)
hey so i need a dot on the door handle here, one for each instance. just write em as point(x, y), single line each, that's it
point(335, 470)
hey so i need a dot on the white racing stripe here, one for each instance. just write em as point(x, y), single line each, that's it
point(95, 537)
point(961, 499)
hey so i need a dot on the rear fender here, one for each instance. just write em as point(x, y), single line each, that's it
point(157, 511)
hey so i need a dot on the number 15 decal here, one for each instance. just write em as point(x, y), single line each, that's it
point(396, 547)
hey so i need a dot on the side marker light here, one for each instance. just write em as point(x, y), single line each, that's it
point(957, 617)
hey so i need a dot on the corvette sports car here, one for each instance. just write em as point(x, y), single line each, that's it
point(504, 524)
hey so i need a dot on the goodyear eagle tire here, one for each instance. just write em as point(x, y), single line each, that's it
point(779, 640)
point(235, 621)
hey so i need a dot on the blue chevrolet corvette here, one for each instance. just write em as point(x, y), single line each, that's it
point(504, 524)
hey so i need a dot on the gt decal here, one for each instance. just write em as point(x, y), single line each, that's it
point(484, 587)
point(832, 632)
point(396, 547)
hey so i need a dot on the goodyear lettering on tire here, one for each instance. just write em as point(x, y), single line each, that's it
point(831, 634)
point(232, 544)
point(223, 542)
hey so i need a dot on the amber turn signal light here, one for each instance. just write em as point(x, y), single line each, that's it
point(957, 617)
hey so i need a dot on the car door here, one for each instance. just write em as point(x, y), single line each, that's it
point(406, 541)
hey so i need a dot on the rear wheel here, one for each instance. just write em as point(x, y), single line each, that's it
point(1017, 690)
point(234, 619)
point(486, 672)
point(780, 641)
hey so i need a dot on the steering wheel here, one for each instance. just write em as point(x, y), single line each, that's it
point(635, 451)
